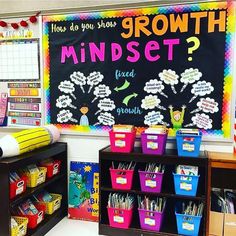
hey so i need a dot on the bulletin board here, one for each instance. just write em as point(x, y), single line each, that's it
point(160, 65)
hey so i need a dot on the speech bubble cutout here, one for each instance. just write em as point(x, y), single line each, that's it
point(208, 105)
point(169, 77)
point(79, 79)
point(150, 102)
point(201, 88)
point(106, 119)
point(153, 118)
point(189, 76)
point(65, 116)
point(93, 79)
point(202, 121)
point(64, 101)
point(101, 91)
point(154, 86)
point(67, 87)
point(106, 104)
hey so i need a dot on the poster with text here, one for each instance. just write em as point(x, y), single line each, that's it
point(83, 191)
point(167, 65)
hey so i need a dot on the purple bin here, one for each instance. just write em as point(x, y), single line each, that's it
point(153, 143)
point(150, 181)
point(150, 220)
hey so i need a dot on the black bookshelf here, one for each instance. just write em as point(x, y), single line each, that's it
point(170, 159)
point(57, 184)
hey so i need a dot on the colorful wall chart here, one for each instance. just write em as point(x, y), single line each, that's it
point(83, 191)
point(158, 65)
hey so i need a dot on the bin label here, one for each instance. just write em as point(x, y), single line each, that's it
point(22, 230)
point(118, 219)
point(40, 179)
point(188, 147)
point(19, 190)
point(121, 180)
point(150, 183)
point(148, 221)
point(55, 169)
point(40, 217)
point(185, 186)
point(57, 205)
point(119, 135)
point(152, 145)
point(152, 137)
point(188, 226)
point(120, 143)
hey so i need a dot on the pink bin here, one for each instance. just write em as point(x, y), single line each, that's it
point(150, 220)
point(153, 143)
point(122, 141)
point(150, 181)
point(119, 218)
point(121, 179)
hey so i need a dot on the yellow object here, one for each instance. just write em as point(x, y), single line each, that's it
point(36, 178)
point(24, 92)
point(30, 139)
point(21, 229)
point(53, 205)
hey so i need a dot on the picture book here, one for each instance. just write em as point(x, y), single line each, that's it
point(83, 191)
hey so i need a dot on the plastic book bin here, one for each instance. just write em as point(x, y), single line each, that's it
point(21, 229)
point(186, 184)
point(150, 181)
point(52, 169)
point(153, 143)
point(150, 220)
point(18, 187)
point(187, 224)
point(119, 218)
point(188, 145)
point(122, 141)
point(35, 220)
point(121, 179)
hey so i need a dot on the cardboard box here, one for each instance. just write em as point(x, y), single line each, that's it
point(230, 225)
point(216, 223)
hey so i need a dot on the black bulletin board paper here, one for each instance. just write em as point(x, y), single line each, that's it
point(139, 71)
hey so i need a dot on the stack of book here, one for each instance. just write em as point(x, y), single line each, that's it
point(123, 128)
point(156, 129)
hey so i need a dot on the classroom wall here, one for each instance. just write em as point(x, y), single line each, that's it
point(84, 148)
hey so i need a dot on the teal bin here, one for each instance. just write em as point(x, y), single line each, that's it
point(188, 145)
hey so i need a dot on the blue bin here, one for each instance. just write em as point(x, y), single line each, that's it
point(186, 184)
point(188, 145)
point(187, 224)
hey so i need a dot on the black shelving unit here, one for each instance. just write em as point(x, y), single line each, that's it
point(170, 159)
point(57, 184)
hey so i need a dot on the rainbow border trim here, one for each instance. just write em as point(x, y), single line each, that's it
point(225, 132)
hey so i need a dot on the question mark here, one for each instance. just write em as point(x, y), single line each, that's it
point(196, 44)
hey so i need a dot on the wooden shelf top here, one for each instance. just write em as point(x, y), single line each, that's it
point(222, 160)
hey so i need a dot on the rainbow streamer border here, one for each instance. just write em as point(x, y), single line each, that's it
point(225, 132)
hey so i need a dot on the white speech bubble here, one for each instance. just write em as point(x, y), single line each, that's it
point(208, 105)
point(106, 119)
point(79, 79)
point(169, 77)
point(201, 88)
point(67, 87)
point(202, 121)
point(106, 104)
point(189, 76)
point(155, 86)
point(65, 116)
point(150, 102)
point(153, 118)
point(64, 101)
point(93, 79)
point(101, 91)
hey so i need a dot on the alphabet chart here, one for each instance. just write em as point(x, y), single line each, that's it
point(19, 60)
point(170, 65)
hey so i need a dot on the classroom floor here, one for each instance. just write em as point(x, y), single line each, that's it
point(72, 227)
